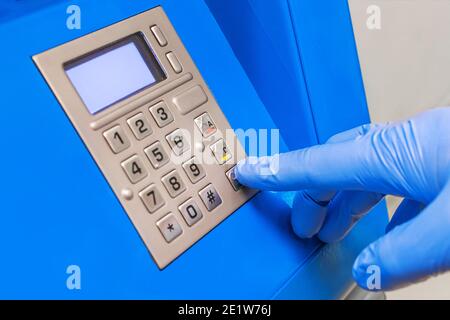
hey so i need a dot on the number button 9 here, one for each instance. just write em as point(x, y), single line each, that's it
point(194, 170)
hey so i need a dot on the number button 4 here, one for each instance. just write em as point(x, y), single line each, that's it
point(152, 198)
point(174, 184)
point(161, 114)
point(194, 170)
point(116, 139)
point(134, 168)
point(157, 155)
point(140, 126)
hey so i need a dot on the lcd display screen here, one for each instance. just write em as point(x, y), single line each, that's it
point(114, 73)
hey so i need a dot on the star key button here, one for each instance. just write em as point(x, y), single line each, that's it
point(169, 227)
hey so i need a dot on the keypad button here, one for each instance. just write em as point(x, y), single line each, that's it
point(117, 139)
point(174, 62)
point(157, 155)
point(221, 151)
point(190, 99)
point(174, 184)
point(210, 197)
point(206, 125)
point(178, 142)
point(231, 175)
point(140, 126)
point(194, 170)
point(159, 36)
point(134, 168)
point(190, 212)
point(152, 198)
point(169, 227)
point(161, 113)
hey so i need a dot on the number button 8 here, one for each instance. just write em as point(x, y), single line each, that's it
point(174, 184)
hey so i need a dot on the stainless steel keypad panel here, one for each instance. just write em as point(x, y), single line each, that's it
point(174, 189)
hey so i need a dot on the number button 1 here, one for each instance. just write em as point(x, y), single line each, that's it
point(151, 198)
point(194, 170)
point(134, 168)
point(174, 184)
point(116, 139)
point(157, 155)
point(161, 114)
point(139, 125)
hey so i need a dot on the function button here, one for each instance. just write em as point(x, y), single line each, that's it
point(134, 168)
point(152, 198)
point(190, 99)
point(205, 124)
point(140, 126)
point(159, 36)
point(169, 227)
point(190, 212)
point(161, 114)
point(221, 151)
point(174, 184)
point(157, 155)
point(174, 62)
point(210, 197)
point(116, 139)
point(178, 142)
point(231, 175)
point(194, 170)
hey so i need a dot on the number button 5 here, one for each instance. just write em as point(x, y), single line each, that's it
point(116, 139)
point(157, 155)
point(139, 125)
point(134, 168)
point(152, 198)
point(161, 114)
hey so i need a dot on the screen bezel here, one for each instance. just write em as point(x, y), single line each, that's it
point(147, 54)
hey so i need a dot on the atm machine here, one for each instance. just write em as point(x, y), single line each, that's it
point(88, 187)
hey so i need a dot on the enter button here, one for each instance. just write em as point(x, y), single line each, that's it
point(190, 99)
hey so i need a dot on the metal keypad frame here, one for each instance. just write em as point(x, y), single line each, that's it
point(171, 92)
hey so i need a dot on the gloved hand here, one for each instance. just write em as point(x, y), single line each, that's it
point(342, 180)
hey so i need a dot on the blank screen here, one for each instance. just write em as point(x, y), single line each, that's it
point(114, 73)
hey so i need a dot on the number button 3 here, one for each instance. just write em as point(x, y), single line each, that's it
point(157, 155)
point(161, 114)
point(134, 168)
point(174, 184)
point(140, 126)
point(116, 139)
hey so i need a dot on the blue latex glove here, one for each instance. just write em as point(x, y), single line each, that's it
point(343, 179)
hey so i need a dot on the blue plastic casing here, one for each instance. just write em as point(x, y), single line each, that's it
point(58, 210)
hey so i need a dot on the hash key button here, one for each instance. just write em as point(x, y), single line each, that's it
point(210, 197)
point(169, 227)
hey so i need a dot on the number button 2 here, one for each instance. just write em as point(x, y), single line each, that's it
point(134, 168)
point(161, 114)
point(152, 198)
point(194, 170)
point(174, 184)
point(140, 126)
point(116, 139)
point(157, 155)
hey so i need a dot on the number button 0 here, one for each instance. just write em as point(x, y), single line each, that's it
point(190, 212)
point(174, 184)
point(134, 168)
point(151, 198)
point(116, 139)
point(194, 170)
point(161, 114)
point(139, 125)
point(157, 155)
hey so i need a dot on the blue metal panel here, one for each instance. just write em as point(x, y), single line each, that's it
point(57, 208)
